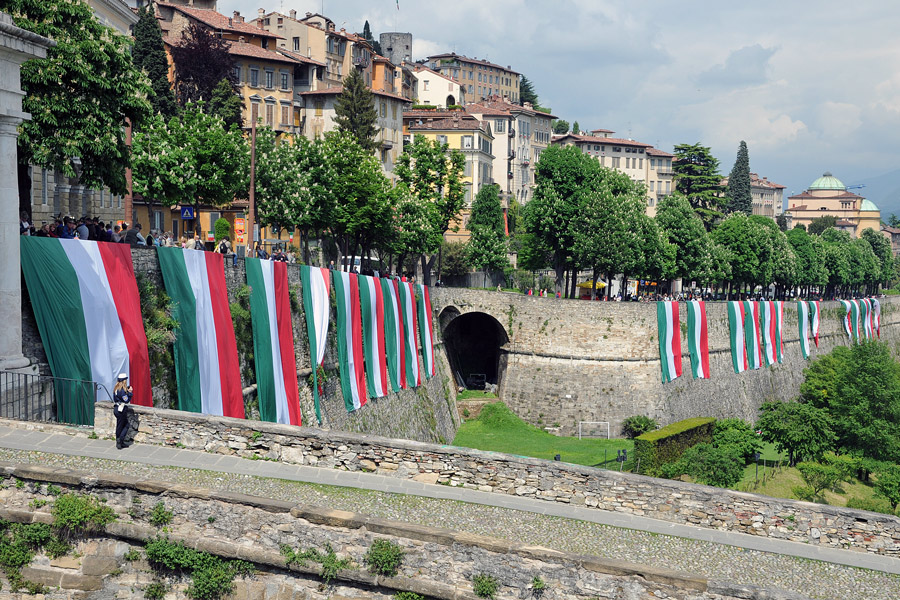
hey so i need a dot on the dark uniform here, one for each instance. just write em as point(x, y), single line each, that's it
point(122, 410)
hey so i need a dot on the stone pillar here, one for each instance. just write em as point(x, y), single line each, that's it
point(16, 46)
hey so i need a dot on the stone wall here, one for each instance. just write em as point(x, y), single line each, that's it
point(573, 360)
point(436, 562)
point(551, 481)
point(425, 413)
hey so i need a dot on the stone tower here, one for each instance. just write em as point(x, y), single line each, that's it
point(396, 46)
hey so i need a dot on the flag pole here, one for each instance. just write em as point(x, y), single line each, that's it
point(250, 212)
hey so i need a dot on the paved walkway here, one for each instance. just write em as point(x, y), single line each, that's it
point(59, 443)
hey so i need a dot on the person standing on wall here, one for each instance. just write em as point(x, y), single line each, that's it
point(122, 395)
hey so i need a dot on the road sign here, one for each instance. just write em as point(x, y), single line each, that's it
point(239, 225)
point(187, 212)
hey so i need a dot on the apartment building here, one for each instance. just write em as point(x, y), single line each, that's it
point(641, 162)
point(436, 89)
point(482, 79)
point(474, 139)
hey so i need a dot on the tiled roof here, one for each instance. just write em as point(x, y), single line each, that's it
point(431, 114)
point(217, 20)
point(337, 89)
point(590, 139)
point(447, 124)
point(503, 107)
point(764, 182)
point(891, 230)
point(461, 58)
point(837, 194)
point(844, 223)
point(602, 131)
point(656, 152)
point(300, 58)
point(251, 51)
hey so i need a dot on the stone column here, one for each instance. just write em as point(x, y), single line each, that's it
point(16, 46)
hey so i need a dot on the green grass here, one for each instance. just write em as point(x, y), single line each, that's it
point(499, 430)
point(475, 395)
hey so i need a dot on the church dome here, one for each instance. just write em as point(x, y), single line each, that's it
point(868, 205)
point(828, 182)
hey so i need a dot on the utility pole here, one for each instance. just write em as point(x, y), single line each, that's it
point(250, 213)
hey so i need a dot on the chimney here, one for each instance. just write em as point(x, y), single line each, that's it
point(292, 13)
point(237, 17)
point(308, 15)
point(230, 24)
point(261, 12)
point(241, 39)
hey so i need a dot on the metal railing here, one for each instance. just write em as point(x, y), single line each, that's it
point(48, 399)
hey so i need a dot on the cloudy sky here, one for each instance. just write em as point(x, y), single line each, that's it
point(810, 86)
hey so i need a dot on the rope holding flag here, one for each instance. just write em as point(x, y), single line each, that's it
point(669, 340)
point(698, 339)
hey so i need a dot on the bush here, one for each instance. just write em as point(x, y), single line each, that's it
point(666, 445)
point(74, 514)
point(159, 516)
point(638, 425)
point(155, 591)
point(740, 435)
point(711, 465)
point(222, 229)
point(384, 557)
point(818, 478)
point(870, 504)
point(211, 576)
point(484, 585)
point(408, 596)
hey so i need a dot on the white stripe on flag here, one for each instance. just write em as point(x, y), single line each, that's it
point(370, 283)
point(694, 307)
point(803, 315)
point(319, 296)
point(106, 342)
point(207, 348)
point(395, 310)
point(348, 336)
point(282, 414)
point(670, 356)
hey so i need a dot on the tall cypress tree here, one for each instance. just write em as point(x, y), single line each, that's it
point(355, 111)
point(739, 197)
point(150, 56)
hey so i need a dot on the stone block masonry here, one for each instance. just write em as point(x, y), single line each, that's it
point(494, 472)
point(568, 361)
point(436, 563)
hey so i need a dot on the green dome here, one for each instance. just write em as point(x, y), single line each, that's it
point(828, 182)
point(868, 205)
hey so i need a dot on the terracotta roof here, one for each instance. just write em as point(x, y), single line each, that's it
point(844, 223)
point(602, 131)
point(503, 107)
point(657, 152)
point(461, 58)
point(299, 57)
point(431, 114)
point(486, 110)
point(891, 230)
point(217, 20)
point(835, 194)
point(337, 89)
point(447, 125)
point(251, 51)
point(764, 182)
point(590, 139)
point(801, 207)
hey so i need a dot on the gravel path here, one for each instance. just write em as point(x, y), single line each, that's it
point(715, 561)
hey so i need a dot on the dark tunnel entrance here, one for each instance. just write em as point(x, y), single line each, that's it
point(473, 342)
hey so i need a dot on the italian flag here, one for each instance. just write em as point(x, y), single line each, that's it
point(350, 340)
point(669, 340)
point(767, 329)
point(273, 341)
point(814, 319)
point(410, 350)
point(876, 316)
point(854, 317)
point(866, 309)
point(393, 334)
point(316, 284)
point(751, 324)
point(779, 322)
point(426, 331)
point(736, 331)
point(88, 312)
point(206, 358)
point(803, 322)
point(698, 339)
point(371, 301)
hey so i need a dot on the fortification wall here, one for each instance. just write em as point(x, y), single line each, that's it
point(437, 563)
point(571, 361)
point(426, 413)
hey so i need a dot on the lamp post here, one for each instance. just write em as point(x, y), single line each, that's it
point(756, 458)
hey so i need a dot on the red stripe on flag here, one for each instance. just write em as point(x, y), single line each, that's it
point(381, 352)
point(676, 339)
point(772, 331)
point(229, 370)
point(120, 274)
point(286, 342)
point(415, 337)
point(704, 341)
point(402, 332)
point(358, 354)
point(430, 327)
point(744, 320)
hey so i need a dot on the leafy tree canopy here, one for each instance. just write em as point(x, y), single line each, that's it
point(355, 111)
point(802, 430)
point(820, 224)
point(560, 126)
point(697, 178)
point(226, 103)
point(201, 62)
point(527, 92)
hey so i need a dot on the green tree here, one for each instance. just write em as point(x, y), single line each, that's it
point(783, 222)
point(560, 126)
point(150, 55)
point(887, 485)
point(355, 112)
point(532, 255)
point(893, 220)
point(487, 244)
point(526, 92)
point(454, 261)
point(738, 190)
point(226, 102)
point(80, 95)
point(818, 478)
point(748, 241)
point(201, 61)
point(575, 128)
point(738, 434)
point(684, 230)
point(697, 178)
point(802, 430)
point(881, 247)
point(810, 261)
point(820, 224)
point(367, 35)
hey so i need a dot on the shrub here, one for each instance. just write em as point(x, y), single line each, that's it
point(408, 596)
point(870, 504)
point(818, 478)
point(132, 555)
point(666, 445)
point(155, 591)
point(740, 435)
point(222, 229)
point(887, 485)
point(75, 514)
point(484, 585)
point(638, 425)
point(159, 516)
point(384, 557)
point(211, 577)
point(711, 465)
point(538, 586)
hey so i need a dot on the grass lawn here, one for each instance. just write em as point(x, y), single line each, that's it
point(475, 395)
point(499, 430)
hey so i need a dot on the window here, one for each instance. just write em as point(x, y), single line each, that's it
point(652, 164)
point(383, 109)
point(467, 169)
point(467, 142)
point(425, 85)
point(479, 78)
point(270, 114)
point(442, 139)
point(270, 79)
point(237, 74)
point(285, 81)
point(296, 44)
point(668, 183)
point(265, 43)
point(596, 147)
point(627, 162)
point(640, 163)
point(285, 114)
point(500, 125)
point(394, 110)
point(157, 221)
point(319, 106)
point(43, 186)
point(101, 197)
point(652, 183)
point(254, 77)
point(471, 89)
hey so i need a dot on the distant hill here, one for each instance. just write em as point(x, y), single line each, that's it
point(883, 190)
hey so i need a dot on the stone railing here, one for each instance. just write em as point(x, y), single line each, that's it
point(663, 499)
point(437, 563)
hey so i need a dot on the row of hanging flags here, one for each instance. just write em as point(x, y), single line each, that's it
point(755, 329)
point(88, 311)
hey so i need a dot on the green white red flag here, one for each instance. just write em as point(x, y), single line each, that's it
point(206, 358)
point(394, 334)
point(273, 342)
point(426, 331)
point(814, 320)
point(736, 329)
point(371, 302)
point(803, 323)
point(669, 340)
point(88, 312)
point(410, 350)
point(876, 316)
point(349, 340)
point(865, 307)
point(698, 339)
point(767, 331)
point(779, 327)
point(316, 284)
point(751, 334)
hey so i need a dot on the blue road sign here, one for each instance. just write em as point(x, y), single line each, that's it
point(187, 212)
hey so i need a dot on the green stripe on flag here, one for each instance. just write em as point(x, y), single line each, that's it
point(262, 341)
point(187, 363)
point(56, 300)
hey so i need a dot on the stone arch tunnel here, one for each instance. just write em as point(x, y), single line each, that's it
point(473, 343)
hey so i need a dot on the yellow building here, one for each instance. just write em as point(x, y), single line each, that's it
point(827, 195)
point(474, 139)
point(482, 79)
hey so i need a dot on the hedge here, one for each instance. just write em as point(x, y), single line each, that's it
point(656, 448)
